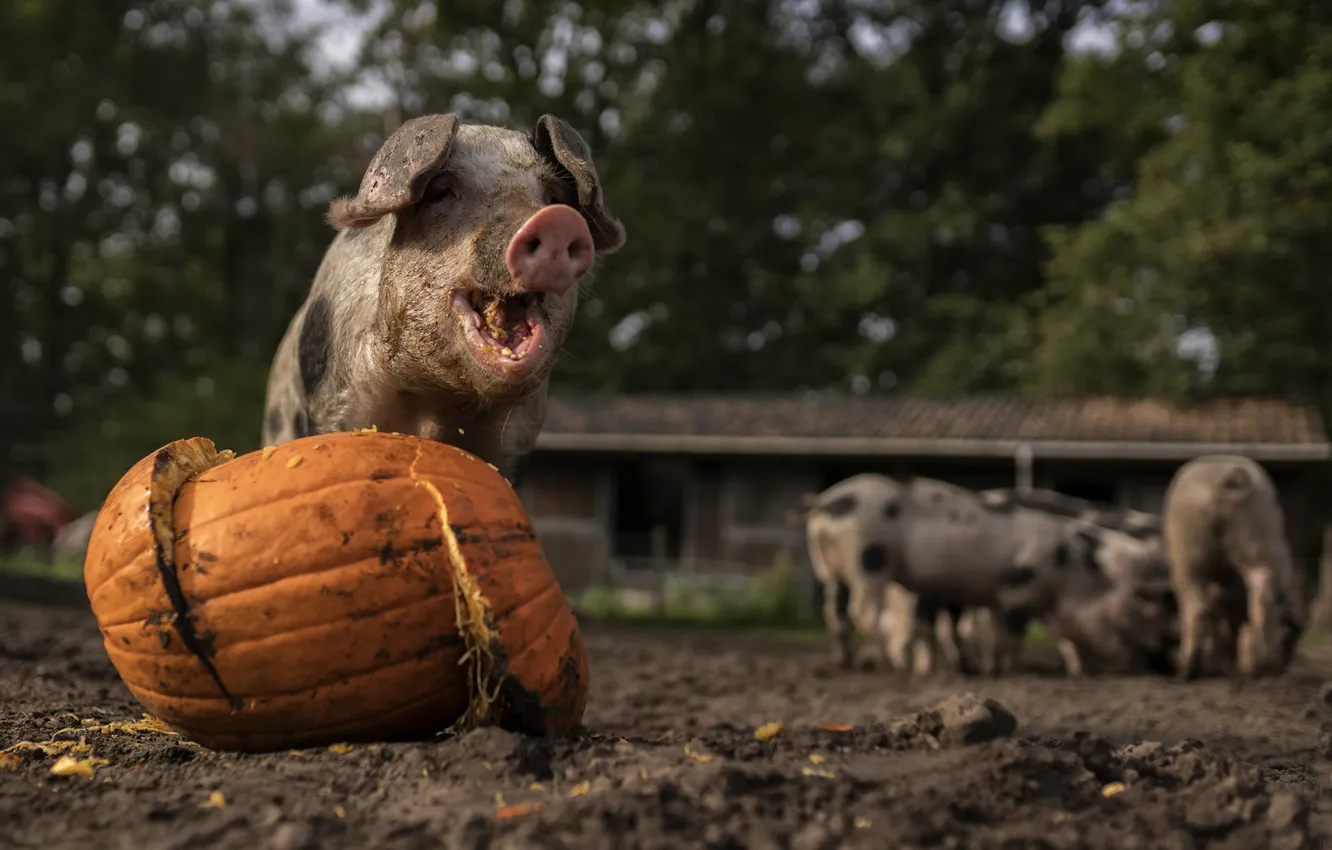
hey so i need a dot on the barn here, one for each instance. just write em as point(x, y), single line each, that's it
point(706, 484)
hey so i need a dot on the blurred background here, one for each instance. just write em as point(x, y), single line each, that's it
point(997, 209)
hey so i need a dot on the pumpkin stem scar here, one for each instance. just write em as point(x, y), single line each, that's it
point(173, 467)
point(476, 621)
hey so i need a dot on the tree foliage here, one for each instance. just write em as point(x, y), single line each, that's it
point(1220, 230)
point(847, 195)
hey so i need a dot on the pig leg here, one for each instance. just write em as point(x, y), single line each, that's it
point(972, 638)
point(836, 612)
point(1009, 633)
point(867, 615)
point(1194, 624)
point(945, 627)
point(1072, 658)
point(929, 641)
point(921, 651)
point(898, 605)
point(1246, 656)
point(922, 662)
point(1256, 640)
point(903, 642)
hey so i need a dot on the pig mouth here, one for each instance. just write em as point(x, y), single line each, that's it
point(504, 332)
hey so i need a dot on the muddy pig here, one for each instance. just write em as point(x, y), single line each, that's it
point(450, 287)
point(1111, 603)
point(1230, 562)
point(851, 544)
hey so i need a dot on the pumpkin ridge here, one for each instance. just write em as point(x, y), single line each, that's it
point(223, 595)
point(416, 656)
point(221, 517)
point(419, 547)
point(545, 591)
point(372, 615)
point(523, 603)
point(302, 495)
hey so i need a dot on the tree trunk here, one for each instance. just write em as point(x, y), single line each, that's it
point(1321, 614)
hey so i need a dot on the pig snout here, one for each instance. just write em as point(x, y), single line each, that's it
point(551, 251)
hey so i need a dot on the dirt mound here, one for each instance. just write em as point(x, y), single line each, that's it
point(695, 740)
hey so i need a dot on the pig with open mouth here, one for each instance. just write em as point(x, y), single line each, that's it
point(444, 299)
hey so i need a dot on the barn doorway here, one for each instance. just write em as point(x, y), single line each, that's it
point(649, 511)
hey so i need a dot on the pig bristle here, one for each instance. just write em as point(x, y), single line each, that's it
point(340, 216)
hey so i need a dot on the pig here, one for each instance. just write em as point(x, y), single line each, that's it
point(448, 290)
point(1114, 606)
point(850, 547)
point(1231, 567)
point(960, 550)
point(951, 550)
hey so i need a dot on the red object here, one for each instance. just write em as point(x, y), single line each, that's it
point(31, 514)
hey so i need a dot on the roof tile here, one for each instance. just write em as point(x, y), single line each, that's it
point(1235, 420)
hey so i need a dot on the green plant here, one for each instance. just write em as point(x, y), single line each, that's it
point(29, 564)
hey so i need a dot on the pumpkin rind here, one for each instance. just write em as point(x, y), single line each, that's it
point(324, 581)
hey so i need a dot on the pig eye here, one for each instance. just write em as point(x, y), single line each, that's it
point(558, 194)
point(437, 191)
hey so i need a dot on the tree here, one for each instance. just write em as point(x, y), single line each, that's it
point(812, 192)
point(160, 213)
point(1221, 229)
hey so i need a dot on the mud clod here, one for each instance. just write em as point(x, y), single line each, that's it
point(961, 720)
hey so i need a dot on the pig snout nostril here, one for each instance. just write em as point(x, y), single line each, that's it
point(551, 251)
point(531, 246)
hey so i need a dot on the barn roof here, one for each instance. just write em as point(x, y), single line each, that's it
point(1093, 427)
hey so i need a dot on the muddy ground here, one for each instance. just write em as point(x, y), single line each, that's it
point(672, 760)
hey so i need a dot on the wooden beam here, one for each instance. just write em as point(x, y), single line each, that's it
point(924, 447)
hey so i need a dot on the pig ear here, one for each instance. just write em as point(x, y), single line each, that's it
point(560, 143)
point(398, 174)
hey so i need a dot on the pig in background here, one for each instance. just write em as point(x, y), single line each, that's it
point(452, 283)
point(902, 561)
point(1232, 568)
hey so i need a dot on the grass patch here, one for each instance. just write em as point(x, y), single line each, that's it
point(29, 564)
point(798, 633)
point(769, 601)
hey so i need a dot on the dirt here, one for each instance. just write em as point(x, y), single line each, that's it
point(672, 760)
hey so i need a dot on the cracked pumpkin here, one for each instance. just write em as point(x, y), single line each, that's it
point(343, 587)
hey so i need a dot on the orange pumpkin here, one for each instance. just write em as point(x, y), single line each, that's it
point(343, 587)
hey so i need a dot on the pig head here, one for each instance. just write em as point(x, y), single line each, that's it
point(452, 283)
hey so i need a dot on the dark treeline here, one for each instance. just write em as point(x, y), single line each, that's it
point(904, 195)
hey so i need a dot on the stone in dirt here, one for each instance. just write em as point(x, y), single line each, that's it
point(960, 720)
